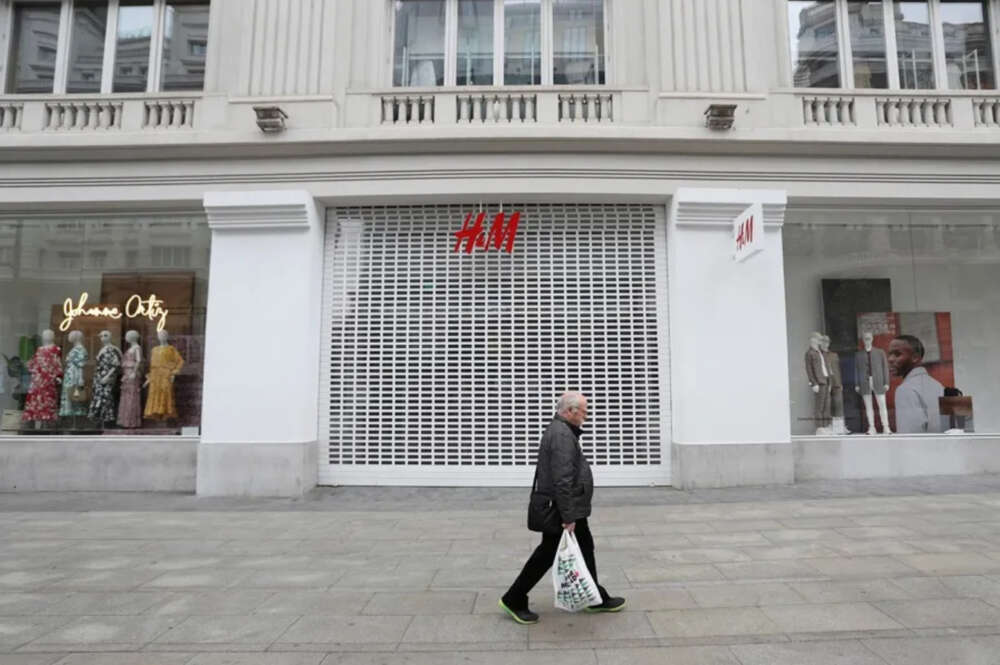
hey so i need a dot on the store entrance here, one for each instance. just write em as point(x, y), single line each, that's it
point(442, 366)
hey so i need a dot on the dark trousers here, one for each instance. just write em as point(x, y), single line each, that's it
point(541, 560)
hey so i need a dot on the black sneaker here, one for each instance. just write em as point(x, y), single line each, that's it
point(524, 616)
point(612, 604)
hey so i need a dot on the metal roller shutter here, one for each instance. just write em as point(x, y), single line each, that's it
point(442, 368)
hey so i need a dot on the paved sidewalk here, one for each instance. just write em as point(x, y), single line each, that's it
point(858, 573)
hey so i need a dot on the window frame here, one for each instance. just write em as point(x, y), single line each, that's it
point(64, 47)
point(846, 52)
point(450, 50)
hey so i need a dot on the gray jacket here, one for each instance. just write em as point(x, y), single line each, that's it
point(880, 371)
point(563, 471)
point(814, 368)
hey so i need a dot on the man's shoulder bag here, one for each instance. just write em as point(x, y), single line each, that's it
point(543, 516)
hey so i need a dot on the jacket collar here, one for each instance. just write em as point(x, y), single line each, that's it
point(576, 430)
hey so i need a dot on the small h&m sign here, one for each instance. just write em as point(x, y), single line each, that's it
point(748, 232)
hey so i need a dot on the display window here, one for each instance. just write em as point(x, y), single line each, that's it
point(102, 323)
point(893, 321)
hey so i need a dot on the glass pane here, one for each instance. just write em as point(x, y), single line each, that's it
point(133, 38)
point(33, 54)
point(86, 52)
point(475, 42)
point(967, 51)
point(913, 45)
point(418, 56)
point(522, 42)
point(153, 270)
point(812, 29)
point(578, 41)
point(867, 28)
point(185, 42)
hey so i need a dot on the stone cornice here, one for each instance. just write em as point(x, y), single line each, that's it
point(241, 211)
point(717, 208)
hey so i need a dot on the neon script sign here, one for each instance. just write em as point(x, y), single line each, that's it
point(500, 235)
point(135, 307)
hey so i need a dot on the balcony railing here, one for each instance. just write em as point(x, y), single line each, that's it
point(96, 114)
point(893, 110)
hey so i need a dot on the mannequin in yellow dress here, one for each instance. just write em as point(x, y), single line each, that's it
point(164, 365)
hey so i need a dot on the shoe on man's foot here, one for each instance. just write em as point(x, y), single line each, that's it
point(524, 616)
point(612, 604)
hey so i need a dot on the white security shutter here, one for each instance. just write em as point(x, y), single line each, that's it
point(444, 368)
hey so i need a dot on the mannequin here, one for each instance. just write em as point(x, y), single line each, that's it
point(164, 365)
point(819, 380)
point(130, 404)
point(46, 374)
point(872, 372)
point(73, 380)
point(836, 386)
point(104, 401)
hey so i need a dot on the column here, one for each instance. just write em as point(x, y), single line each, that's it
point(261, 389)
point(728, 343)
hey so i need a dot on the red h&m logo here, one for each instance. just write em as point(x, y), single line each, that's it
point(500, 235)
point(744, 236)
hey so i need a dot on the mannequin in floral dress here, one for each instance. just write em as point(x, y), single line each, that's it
point(103, 404)
point(46, 373)
point(130, 401)
point(73, 379)
point(164, 365)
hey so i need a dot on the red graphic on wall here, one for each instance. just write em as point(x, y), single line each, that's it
point(502, 233)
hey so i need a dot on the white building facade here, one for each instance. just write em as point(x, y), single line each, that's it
point(282, 186)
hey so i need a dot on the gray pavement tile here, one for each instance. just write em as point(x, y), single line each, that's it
point(786, 536)
point(108, 580)
point(937, 650)
point(744, 595)
point(113, 562)
point(200, 578)
point(29, 658)
point(650, 599)
point(677, 573)
point(735, 526)
point(29, 580)
point(421, 603)
point(972, 586)
point(841, 652)
point(15, 603)
point(247, 631)
point(667, 655)
point(788, 569)
point(712, 622)
point(968, 563)
point(96, 658)
point(921, 587)
point(740, 539)
point(829, 618)
point(294, 658)
point(876, 532)
point(865, 567)
point(378, 580)
point(949, 545)
point(96, 603)
point(497, 628)
point(207, 603)
point(850, 591)
point(563, 627)
point(819, 522)
point(173, 563)
point(942, 612)
point(290, 579)
point(698, 555)
point(103, 631)
point(334, 633)
point(310, 603)
point(871, 547)
point(674, 528)
point(547, 657)
point(782, 552)
point(171, 548)
point(16, 631)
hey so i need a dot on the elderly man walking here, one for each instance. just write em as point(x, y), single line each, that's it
point(564, 474)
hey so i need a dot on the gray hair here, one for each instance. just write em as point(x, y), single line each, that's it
point(569, 401)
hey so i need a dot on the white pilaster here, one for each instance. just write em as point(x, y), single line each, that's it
point(728, 341)
point(261, 390)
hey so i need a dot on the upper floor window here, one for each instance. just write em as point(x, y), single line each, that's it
point(898, 44)
point(494, 42)
point(104, 46)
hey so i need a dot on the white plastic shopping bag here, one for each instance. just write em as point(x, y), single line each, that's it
point(574, 587)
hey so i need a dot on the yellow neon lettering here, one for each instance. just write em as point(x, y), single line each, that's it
point(151, 308)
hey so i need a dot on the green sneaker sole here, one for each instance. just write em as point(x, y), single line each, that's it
point(513, 615)
point(598, 610)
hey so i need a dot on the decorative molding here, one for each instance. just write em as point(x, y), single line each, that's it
point(719, 207)
point(237, 211)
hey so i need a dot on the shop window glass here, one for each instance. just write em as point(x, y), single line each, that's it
point(522, 42)
point(812, 28)
point(967, 49)
point(923, 286)
point(475, 42)
point(578, 41)
point(418, 55)
point(133, 40)
point(104, 298)
point(86, 56)
point(185, 39)
point(867, 29)
point(32, 61)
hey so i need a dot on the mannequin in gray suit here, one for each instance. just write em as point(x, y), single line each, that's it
point(836, 386)
point(819, 380)
point(871, 369)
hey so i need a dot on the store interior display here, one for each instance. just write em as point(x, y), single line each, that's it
point(872, 374)
point(45, 366)
point(74, 400)
point(819, 382)
point(838, 425)
point(130, 399)
point(164, 364)
point(104, 401)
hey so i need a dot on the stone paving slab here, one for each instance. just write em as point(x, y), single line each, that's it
point(866, 573)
